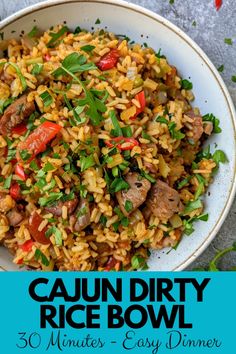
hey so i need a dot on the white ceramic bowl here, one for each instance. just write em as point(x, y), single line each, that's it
point(211, 95)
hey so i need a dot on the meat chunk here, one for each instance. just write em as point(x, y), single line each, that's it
point(163, 201)
point(6, 203)
point(196, 125)
point(15, 114)
point(56, 209)
point(81, 218)
point(14, 217)
point(136, 194)
point(208, 128)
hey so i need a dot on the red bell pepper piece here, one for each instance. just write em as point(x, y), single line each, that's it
point(20, 261)
point(109, 60)
point(27, 246)
point(39, 236)
point(218, 4)
point(142, 100)
point(119, 141)
point(37, 141)
point(15, 191)
point(47, 57)
point(19, 171)
point(112, 263)
point(20, 129)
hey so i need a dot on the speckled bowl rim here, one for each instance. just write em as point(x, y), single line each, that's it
point(201, 54)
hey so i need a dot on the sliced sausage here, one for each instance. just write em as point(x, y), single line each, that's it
point(136, 194)
point(15, 114)
point(81, 218)
point(56, 209)
point(196, 125)
point(163, 201)
point(40, 236)
point(14, 217)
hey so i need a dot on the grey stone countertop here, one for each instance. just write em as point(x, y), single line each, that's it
point(208, 28)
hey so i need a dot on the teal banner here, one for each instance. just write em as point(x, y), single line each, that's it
point(136, 312)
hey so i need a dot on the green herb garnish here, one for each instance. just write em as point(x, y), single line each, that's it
point(193, 205)
point(138, 262)
point(228, 41)
point(221, 68)
point(118, 184)
point(50, 199)
point(7, 182)
point(33, 32)
point(47, 98)
point(147, 176)
point(40, 255)
point(88, 48)
point(37, 69)
point(186, 84)
point(128, 205)
point(86, 162)
point(57, 234)
point(56, 36)
point(25, 155)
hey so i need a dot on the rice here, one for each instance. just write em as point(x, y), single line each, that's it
point(69, 200)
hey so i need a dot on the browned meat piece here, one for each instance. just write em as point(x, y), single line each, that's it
point(56, 209)
point(196, 125)
point(15, 114)
point(6, 78)
point(163, 201)
point(81, 218)
point(208, 127)
point(136, 194)
point(103, 247)
point(6, 202)
point(14, 217)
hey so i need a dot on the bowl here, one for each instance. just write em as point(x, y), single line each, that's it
point(210, 91)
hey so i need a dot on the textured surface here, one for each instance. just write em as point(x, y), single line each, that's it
point(200, 20)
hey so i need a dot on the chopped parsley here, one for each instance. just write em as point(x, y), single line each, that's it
point(25, 155)
point(86, 162)
point(219, 156)
point(50, 199)
point(175, 134)
point(147, 176)
point(47, 98)
point(7, 182)
point(117, 131)
point(192, 205)
point(33, 32)
point(55, 36)
point(233, 78)
point(159, 55)
point(75, 63)
point(37, 69)
point(98, 21)
point(88, 48)
point(40, 255)
point(138, 262)
point(186, 84)
point(128, 205)
point(228, 41)
point(57, 234)
point(221, 68)
point(183, 182)
point(118, 184)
